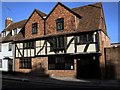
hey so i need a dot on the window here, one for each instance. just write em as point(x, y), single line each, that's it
point(59, 43)
point(15, 31)
point(0, 47)
point(34, 28)
point(85, 38)
point(4, 34)
point(25, 63)
point(10, 46)
point(0, 63)
point(60, 24)
point(30, 44)
point(60, 63)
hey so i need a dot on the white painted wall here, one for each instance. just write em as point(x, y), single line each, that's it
point(5, 53)
point(1, 58)
point(91, 48)
point(71, 48)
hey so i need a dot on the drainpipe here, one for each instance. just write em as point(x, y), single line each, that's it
point(13, 56)
point(45, 34)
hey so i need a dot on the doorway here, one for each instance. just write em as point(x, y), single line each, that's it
point(10, 65)
point(88, 67)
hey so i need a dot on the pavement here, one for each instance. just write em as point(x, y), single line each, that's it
point(60, 80)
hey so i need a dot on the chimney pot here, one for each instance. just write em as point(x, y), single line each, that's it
point(8, 21)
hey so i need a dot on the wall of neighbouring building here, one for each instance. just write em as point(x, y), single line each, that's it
point(112, 62)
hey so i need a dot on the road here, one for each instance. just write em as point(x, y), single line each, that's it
point(32, 85)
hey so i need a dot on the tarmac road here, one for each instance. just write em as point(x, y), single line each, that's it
point(13, 84)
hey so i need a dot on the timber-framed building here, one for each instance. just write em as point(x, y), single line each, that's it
point(65, 43)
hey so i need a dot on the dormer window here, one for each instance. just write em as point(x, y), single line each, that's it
point(15, 31)
point(34, 28)
point(60, 24)
point(4, 34)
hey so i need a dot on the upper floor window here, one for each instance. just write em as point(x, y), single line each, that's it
point(15, 31)
point(30, 44)
point(0, 47)
point(10, 46)
point(34, 28)
point(59, 43)
point(60, 24)
point(84, 38)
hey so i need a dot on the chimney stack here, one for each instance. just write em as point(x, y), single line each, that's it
point(8, 21)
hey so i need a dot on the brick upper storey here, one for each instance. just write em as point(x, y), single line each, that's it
point(61, 11)
point(92, 18)
point(80, 19)
point(36, 17)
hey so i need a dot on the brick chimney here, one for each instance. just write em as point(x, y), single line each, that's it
point(8, 21)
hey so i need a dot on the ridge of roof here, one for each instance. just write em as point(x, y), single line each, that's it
point(59, 3)
point(97, 5)
point(41, 13)
point(90, 13)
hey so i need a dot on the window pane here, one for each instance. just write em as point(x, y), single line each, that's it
point(59, 43)
point(0, 63)
point(60, 24)
point(25, 63)
point(34, 28)
point(10, 46)
point(90, 37)
point(60, 63)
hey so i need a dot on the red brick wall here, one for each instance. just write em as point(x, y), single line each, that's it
point(104, 41)
point(60, 12)
point(35, 18)
point(40, 67)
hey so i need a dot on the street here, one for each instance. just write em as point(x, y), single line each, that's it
point(13, 84)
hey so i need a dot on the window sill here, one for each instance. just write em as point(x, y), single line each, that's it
point(24, 68)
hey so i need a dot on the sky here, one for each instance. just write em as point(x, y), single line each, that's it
point(22, 10)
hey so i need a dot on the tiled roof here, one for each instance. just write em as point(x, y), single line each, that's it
point(41, 13)
point(9, 37)
point(19, 24)
point(90, 20)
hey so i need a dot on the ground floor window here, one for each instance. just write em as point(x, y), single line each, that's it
point(60, 63)
point(25, 63)
point(0, 63)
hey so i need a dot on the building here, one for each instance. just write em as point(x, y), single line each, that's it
point(7, 47)
point(112, 61)
point(65, 43)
